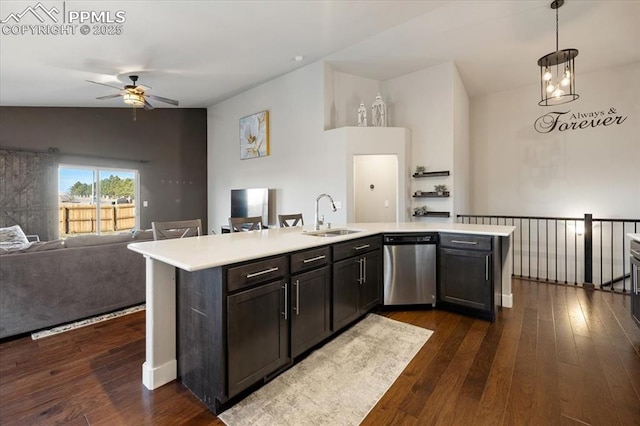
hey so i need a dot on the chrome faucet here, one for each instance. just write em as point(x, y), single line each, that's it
point(319, 221)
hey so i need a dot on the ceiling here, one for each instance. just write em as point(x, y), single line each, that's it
point(202, 52)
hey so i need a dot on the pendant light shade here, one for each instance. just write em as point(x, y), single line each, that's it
point(557, 72)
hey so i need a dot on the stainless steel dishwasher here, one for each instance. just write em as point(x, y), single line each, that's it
point(410, 268)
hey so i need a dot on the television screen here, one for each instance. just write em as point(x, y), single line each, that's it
point(250, 202)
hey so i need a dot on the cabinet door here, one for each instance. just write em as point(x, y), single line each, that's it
point(310, 309)
point(635, 290)
point(346, 275)
point(370, 284)
point(257, 334)
point(465, 278)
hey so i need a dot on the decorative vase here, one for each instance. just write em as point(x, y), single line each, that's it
point(379, 112)
point(362, 115)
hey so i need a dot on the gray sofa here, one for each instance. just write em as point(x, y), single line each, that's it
point(65, 280)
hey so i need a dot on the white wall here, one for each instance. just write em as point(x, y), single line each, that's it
point(517, 171)
point(513, 170)
point(461, 194)
point(348, 91)
point(317, 97)
point(352, 141)
point(300, 166)
point(423, 102)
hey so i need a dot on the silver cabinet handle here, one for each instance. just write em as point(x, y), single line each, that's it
point(286, 300)
point(471, 243)
point(313, 259)
point(266, 271)
point(364, 270)
point(362, 247)
point(634, 275)
point(360, 271)
point(297, 284)
point(486, 268)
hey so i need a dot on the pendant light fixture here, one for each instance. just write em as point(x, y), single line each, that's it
point(557, 72)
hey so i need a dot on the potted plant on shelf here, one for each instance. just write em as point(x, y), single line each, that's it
point(420, 211)
point(420, 170)
point(440, 189)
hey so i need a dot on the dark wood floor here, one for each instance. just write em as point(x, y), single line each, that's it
point(562, 355)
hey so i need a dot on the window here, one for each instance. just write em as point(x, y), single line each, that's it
point(87, 207)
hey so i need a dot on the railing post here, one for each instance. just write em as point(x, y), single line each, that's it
point(588, 251)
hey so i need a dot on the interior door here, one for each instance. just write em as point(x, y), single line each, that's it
point(375, 188)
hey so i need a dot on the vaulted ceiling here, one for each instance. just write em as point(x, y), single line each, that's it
point(201, 52)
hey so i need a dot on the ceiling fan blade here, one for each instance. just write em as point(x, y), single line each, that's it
point(110, 96)
point(102, 84)
point(165, 100)
point(147, 105)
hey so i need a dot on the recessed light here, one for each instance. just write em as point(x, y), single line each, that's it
point(298, 58)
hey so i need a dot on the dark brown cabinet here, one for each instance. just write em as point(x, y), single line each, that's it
point(244, 323)
point(258, 334)
point(370, 288)
point(310, 309)
point(257, 321)
point(346, 276)
point(466, 275)
point(233, 327)
point(635, 281)
point(356, 279)
point(310, 299)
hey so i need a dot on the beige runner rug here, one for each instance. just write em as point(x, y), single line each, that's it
point(85, 322)
point(339, 383)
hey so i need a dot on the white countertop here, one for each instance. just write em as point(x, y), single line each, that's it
point(634, 237)
point(196, 253)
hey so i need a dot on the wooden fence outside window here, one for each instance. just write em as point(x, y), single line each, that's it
point(82, 218)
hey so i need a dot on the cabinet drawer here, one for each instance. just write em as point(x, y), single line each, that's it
point(310, 259)
point(467, 241)
point(256, 272)
point(356, 247)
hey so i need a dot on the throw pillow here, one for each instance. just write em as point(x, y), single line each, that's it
point(13, 238)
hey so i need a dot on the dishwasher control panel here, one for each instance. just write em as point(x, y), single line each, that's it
point(411, 238)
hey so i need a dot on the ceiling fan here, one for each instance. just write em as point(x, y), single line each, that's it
point(134, 94)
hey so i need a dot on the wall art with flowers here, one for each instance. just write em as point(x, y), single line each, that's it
point(254, 135)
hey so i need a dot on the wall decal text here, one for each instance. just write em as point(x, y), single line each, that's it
point(566, 120)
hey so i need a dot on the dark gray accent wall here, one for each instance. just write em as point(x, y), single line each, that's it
point(167, 146)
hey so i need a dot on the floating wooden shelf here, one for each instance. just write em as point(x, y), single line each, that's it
point(431, 174)
point(433, 214)
point(431, 195)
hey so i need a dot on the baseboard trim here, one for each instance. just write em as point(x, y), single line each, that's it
point(154, 377)
point(507, 300)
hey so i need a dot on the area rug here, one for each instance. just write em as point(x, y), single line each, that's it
point(85, 322)
point(339, 383)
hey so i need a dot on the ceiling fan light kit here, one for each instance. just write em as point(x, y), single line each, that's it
point(133, 99)
point(134, 95)
point(557, 72)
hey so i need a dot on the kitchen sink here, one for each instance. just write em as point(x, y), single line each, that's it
point(331, 232)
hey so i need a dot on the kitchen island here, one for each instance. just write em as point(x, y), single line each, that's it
point(212, 252)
